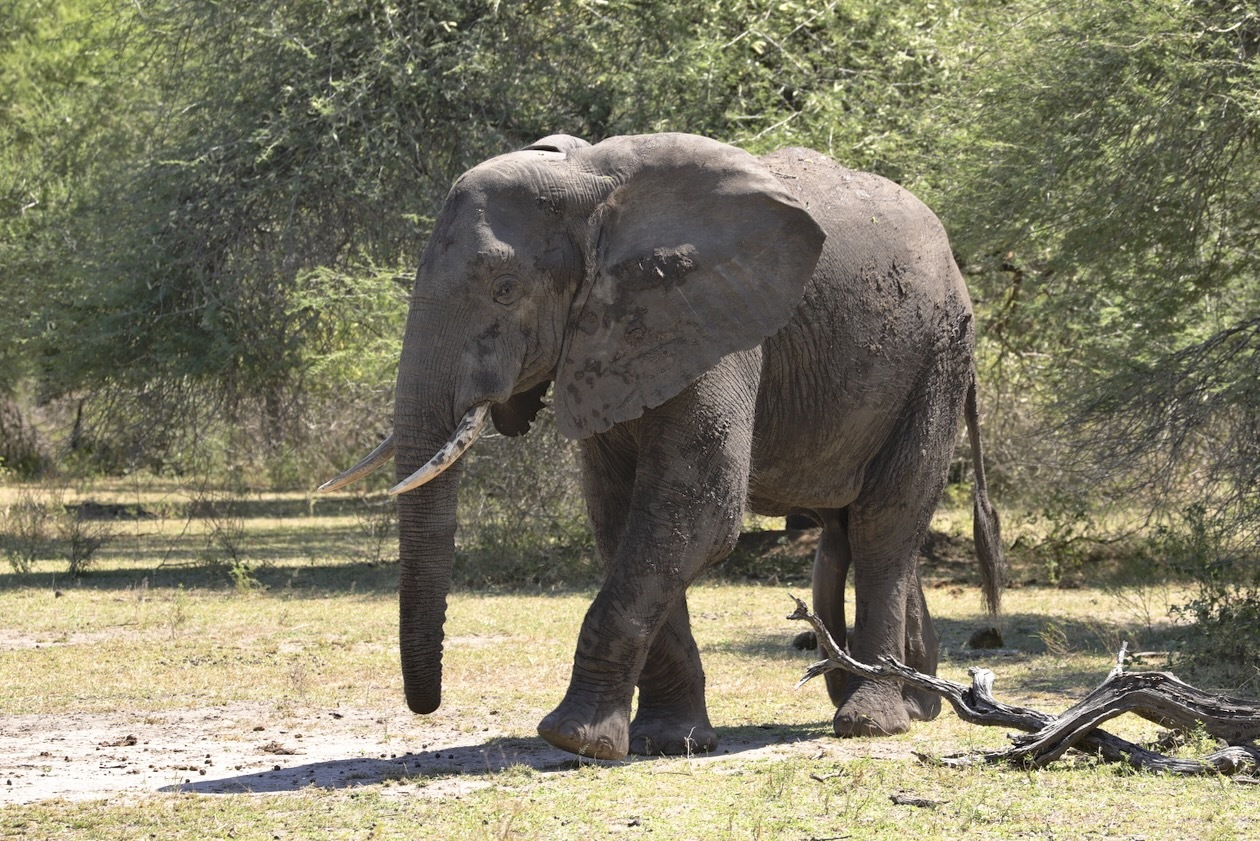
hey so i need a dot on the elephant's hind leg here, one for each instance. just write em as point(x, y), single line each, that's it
point(887, 525)
point(831, 569)
point(891, 621)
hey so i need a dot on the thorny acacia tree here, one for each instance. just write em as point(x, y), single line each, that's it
point(1109, 176)
point(274, 165)
point(1107, 181)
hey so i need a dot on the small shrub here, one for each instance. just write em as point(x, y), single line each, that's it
point(1224, 611)
point(243, 580)
point(27, 531)
point(1071, 528)
point(522, 514)
point(39, 525)
point(80, 536)
point(225, 532)
point(375, 529)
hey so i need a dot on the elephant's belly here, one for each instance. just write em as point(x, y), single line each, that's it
point(833, 391)
point(811, 468)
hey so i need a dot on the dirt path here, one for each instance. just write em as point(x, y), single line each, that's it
point(251, 748)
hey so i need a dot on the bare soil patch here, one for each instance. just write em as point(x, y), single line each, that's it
point(250, 748)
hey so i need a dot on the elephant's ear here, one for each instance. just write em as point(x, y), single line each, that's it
point(513, 417)
point(700, 252)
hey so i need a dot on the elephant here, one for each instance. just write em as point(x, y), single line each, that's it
point(722, 334)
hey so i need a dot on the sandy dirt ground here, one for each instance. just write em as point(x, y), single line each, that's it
point(249, 748)
point(266, 749)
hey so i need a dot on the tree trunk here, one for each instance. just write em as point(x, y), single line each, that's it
point(19, 444)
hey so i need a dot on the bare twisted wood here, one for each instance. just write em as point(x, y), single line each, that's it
point(1156, 696)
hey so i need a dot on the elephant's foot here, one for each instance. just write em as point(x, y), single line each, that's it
point(656, 734)
point(588, 730)
point(872, 709)
point(922, 706)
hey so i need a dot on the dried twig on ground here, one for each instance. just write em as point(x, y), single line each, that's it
point(1156, 696)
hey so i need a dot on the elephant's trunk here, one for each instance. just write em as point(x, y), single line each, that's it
point(426, 544)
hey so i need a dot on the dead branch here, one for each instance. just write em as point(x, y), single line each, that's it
point(1156, 696)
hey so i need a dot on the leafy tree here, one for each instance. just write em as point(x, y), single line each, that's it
point(1102, 185)
point(275, 165)
point(1107, 180)
point(66, 90)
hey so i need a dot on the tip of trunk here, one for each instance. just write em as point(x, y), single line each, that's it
point(422, 675)
point(424, 702)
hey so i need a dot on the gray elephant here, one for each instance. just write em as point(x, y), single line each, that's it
point(724, 333)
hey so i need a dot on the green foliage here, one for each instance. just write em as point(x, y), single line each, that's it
point(80, 537)
point(243, 580)
point(210, 213)
point(522, 515)
point(39, 524)
point(26, 535)
point(1224, 640)
point(1103, 158)
point(223, 238)
point(1105, 182)
point(65, 120)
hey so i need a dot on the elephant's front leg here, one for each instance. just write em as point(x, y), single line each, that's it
point(669, 540)
point(593, 719)
point(685, 507)
point(672, 717)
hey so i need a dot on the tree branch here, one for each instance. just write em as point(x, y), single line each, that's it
point(1156, 696)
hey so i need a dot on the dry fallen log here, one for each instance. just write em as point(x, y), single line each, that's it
point(1156, 696)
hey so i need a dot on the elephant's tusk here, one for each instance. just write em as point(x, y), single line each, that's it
point(383, 453)
point(463, 437)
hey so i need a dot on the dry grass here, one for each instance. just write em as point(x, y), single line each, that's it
point(153, 644)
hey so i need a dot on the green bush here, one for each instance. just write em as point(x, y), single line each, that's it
point(26, 536)
point(39, 525)
point(1223, 638)
point(522, 514)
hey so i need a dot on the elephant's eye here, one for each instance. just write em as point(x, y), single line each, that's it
point(508, 289)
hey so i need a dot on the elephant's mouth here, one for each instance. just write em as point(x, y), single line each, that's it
point(466, 432)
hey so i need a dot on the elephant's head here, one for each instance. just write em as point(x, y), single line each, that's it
point(620, 271)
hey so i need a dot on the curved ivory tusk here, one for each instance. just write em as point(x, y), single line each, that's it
point(383, 453)
point(467, 431)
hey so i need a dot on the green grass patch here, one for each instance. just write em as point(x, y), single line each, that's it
point(269, 704)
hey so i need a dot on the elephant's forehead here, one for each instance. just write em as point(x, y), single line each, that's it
point(513, 171)
point(493, 211)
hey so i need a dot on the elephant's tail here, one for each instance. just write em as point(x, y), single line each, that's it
point(984, 517)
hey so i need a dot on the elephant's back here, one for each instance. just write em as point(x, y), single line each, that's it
point(885, 302)
point(866, 216)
